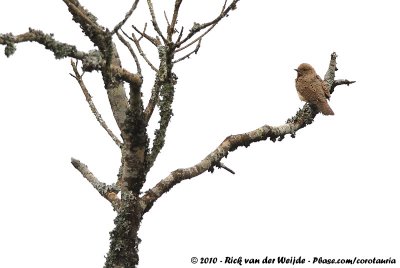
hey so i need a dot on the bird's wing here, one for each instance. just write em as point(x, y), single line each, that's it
point(325, 87)
point(317, 88)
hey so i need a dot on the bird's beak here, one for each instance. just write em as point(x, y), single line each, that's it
point(296, 70)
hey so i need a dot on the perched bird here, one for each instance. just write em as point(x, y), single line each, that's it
point(312, 89)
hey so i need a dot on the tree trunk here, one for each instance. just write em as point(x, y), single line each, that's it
point(124, 240)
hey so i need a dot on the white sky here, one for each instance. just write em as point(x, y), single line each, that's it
point(331, 192)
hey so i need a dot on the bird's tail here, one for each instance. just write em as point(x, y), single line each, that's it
point(324, 108)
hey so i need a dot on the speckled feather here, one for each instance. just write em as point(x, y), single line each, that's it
point(312, 89)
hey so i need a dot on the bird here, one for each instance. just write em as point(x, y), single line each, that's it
point(312, 89)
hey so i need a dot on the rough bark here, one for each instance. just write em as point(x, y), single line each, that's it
point(124, 240)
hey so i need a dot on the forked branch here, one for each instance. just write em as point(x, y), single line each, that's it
point(190, 53)
point(171, 26)
point(154, 21)
point(139, 48)
point(197, 27)
point(303, 117)
point(93, 108)
point(129, 47)
point(143, 33)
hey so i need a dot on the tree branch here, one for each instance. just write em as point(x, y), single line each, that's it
point(129, 47)
point(139, 48)
point(166, 97)
point(222, 165)
point(197, 27)
point(330, 73)
point(109, 192)
point(94, 60)
point(190, 53)
point(127, 15)
point(88, 22)
point(155, 94)
point(303, 117)
point(154, 21)
point(93, 108)
point(60, 50)
point(156, 42)
point(340, 82)
point(171, 27)
point(134, 152)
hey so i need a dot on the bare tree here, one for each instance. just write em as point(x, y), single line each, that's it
point(138, 154)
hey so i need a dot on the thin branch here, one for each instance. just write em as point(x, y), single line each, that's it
point(201, 36)
point(109, 192)
point(222, 165)
point(195, 40)
point(166, 19)
point(144, 31)
point(180, 36)
point(303, 117)
point(129, 47)
point(139, 48)
point(154, 21)
point(127, 15)
point(198, 27)
point(152, 40)
point(171, 27)
point(190, 53)
point(343, 82)
point(92, 106)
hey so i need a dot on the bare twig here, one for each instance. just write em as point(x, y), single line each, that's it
point(109, 192)
point(127, 15)
point(341, 82)
point(195, 40)
point(154, 21)
point(190, 53)
point(166, 19)
point(139, 48)
point(180, 35)
point(144, 31)
point(198, 27)
point(171, 27)
point(222, 165)
point(93, 108)
point(126, 43)
point(152, 40)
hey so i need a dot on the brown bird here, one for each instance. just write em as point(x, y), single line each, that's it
point(312, 89)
